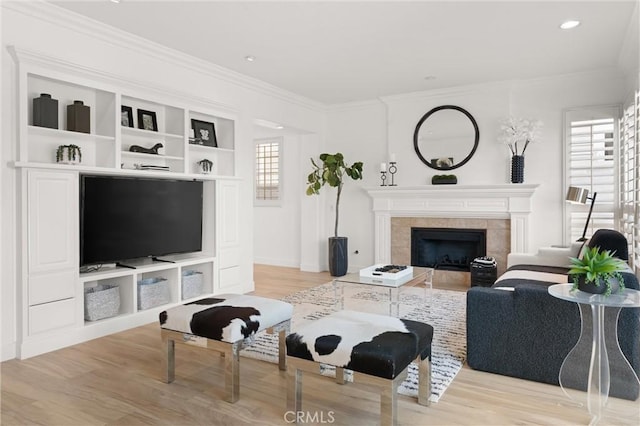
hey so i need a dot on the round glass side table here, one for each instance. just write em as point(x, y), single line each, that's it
point(597, 361)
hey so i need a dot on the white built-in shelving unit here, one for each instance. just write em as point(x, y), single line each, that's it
point(52, 287)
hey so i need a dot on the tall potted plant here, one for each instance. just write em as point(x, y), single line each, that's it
point(331, 170)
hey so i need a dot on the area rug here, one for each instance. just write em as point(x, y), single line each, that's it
point(444, 310)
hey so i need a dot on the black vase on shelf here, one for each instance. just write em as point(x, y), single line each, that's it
point(78, 117)
point(517, 169)
point(45, 111)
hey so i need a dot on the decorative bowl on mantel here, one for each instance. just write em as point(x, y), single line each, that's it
point(444, 180)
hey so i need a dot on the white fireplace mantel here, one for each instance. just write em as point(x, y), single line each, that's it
point(506, 201)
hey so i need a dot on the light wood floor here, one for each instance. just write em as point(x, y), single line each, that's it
point(117, 380)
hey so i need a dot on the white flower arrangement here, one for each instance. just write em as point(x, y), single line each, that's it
point(518, 133)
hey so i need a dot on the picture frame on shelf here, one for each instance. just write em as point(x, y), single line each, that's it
point(126, 116)
point(204, 133)
point(147, 120)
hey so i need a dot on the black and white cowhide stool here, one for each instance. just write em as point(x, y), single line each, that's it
point(225, 324)
point(377, 348)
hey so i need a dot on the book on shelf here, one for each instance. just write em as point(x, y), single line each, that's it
point(151, 167)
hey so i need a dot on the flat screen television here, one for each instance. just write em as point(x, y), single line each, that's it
point(124, 218)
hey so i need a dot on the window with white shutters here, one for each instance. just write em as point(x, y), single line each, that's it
point(630, 178)
point(268, 172)
point(592, 164)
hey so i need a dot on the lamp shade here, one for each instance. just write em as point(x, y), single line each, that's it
point(577, 195)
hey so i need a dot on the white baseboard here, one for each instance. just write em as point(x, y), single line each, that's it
point(312, 267)
point(276, 262)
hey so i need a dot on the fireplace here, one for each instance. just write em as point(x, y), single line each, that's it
point(504, 210)
point(451, 249)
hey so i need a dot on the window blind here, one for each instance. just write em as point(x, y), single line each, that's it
point(630, 178)
point(592, 165)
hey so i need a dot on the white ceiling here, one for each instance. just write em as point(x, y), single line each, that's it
point(342, 51)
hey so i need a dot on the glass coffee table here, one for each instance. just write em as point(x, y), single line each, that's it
point(419, 276)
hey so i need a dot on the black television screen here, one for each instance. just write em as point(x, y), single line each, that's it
point(126, 218)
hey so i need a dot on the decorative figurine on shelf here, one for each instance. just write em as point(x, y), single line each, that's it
point(153, 150)
point(206, 166)
point(68, 154)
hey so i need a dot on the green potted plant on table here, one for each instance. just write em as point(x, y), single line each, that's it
point(332, 170)
point(597, 272)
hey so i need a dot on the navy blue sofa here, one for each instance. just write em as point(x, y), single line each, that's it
point(525, 332)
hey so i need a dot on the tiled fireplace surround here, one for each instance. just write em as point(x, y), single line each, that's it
point(502, 210)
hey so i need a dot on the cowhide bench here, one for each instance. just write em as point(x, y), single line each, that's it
point(377, 348)
point(224, 324)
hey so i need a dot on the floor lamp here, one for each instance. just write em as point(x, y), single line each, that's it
point(581, 195)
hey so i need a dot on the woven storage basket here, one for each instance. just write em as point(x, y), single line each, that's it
point(191, 284)
point(153, 292)
point(101, 301)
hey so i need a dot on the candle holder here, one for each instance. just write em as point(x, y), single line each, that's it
point(383, 176)
point(392, 171)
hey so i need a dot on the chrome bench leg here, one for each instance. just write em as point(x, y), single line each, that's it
point(282, 329)
point(168, 359)
point(232, 372)
point(294, 391)
point(424, 381)
point(389, 405)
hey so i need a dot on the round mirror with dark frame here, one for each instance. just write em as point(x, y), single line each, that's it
point(446, 137)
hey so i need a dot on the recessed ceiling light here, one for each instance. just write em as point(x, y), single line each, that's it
point(250, 58)
point(115, 1)
point(279, 127)
point(567, 25)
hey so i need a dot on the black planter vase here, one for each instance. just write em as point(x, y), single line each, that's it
point(601, 288)
point(517, 169)
point(338, 256)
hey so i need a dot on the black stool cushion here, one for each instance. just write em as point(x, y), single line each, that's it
point(372, 344)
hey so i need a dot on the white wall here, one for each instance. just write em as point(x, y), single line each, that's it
point(54, 32)
point(277, 227)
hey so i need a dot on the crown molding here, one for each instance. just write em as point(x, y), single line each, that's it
point(354, 105)
point(507, 85)
point(44, 11)
point(450, 91)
